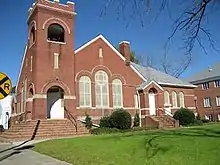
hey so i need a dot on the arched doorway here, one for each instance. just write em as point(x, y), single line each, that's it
point(152, 104)
point(55, 107)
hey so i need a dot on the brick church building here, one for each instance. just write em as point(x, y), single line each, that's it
point(56, 79)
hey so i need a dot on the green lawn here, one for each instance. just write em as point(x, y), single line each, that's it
point(186, 146)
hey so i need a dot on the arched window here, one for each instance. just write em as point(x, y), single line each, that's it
point(117, 93)
point(101, 89)
point(32, 36)
point(181, 98)
point(166, 98)
point(85, 92)
point(174, 99)
point(55, 33)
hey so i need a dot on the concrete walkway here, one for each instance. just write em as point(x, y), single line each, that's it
point(17, 154)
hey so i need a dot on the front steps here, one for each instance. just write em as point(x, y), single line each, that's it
point(162, 121)
point(43, 129)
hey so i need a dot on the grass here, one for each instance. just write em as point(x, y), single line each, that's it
point(185, 146)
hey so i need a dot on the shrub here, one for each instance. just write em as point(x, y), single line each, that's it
point(136, 122)
point(205, 120)
point(104, 130)
point(105, 122)
point(198, 122)
point(184, 116)
point(2, 128)
point(121, 119)
point(88, 122)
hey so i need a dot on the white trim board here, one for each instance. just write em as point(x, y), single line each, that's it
point(21, 67)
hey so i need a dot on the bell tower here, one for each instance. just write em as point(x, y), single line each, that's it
point(50, 51)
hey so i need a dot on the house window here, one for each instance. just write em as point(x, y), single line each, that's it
point(32, 35)
point(218, 100)
point(181, 99)
point(56, 61)
point(85, 92)
point(117, 93)
point(174, 99)
point(217, 83)
point(207, 102)
point(166, 98)
point(101, 89)
point(205, 85)
point(55, 33)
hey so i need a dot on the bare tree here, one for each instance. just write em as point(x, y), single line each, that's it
point(189, 25)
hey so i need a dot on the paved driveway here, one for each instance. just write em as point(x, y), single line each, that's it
point(22, 155)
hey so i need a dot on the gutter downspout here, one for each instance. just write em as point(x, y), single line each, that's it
point(139, 107)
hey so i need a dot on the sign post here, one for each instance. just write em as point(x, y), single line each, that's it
point(5, 85)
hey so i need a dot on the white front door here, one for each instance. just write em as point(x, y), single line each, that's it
point(152, 106)
point(55, 106)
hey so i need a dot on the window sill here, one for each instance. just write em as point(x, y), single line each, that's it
point(55, 42)
point(31, 45)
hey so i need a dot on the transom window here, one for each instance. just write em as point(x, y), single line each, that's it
point(101, 89)
point(207, 102)
point(205, 85)
point(217, 83)
point(85, 92)
point(55, 33)
point(117, 93)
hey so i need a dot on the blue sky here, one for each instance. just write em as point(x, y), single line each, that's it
point(147, 40)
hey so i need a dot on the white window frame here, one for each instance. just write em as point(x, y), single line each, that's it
point(217, 101)
point(205, 85)
point(174, 99)
point(56, 61)
point(182, 99)
point(207, 102)
point(85, 80)
point(101, 84)
point(117, 82)
point(216, 85)
point(166, 98)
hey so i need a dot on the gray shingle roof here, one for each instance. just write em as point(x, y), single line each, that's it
point(206, 74)
point(159, 77)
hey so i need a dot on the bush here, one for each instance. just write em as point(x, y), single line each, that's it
point(104, 130)
point(2, 128)
point(205, 120)
point(105, 122)
point(184, 116)
point(136, 122)
point(88, 122)
point(198, 122)
point(121, 119)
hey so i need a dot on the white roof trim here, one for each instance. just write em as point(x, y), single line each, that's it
point(124, 42)
point(154, 82)
point(22, 63)
point(113, 48)
point(178, 85)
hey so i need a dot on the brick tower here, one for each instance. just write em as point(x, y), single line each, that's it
point(45, 89)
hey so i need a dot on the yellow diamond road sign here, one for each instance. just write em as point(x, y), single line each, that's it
point(5, 85)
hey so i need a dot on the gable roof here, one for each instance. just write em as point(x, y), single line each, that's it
point(113, 48)
point(159, 77)
point(207, 74)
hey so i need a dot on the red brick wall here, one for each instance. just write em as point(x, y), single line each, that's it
point(114, 66)
point(212, 92)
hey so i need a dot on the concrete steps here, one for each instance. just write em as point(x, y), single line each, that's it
point(41, 129)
